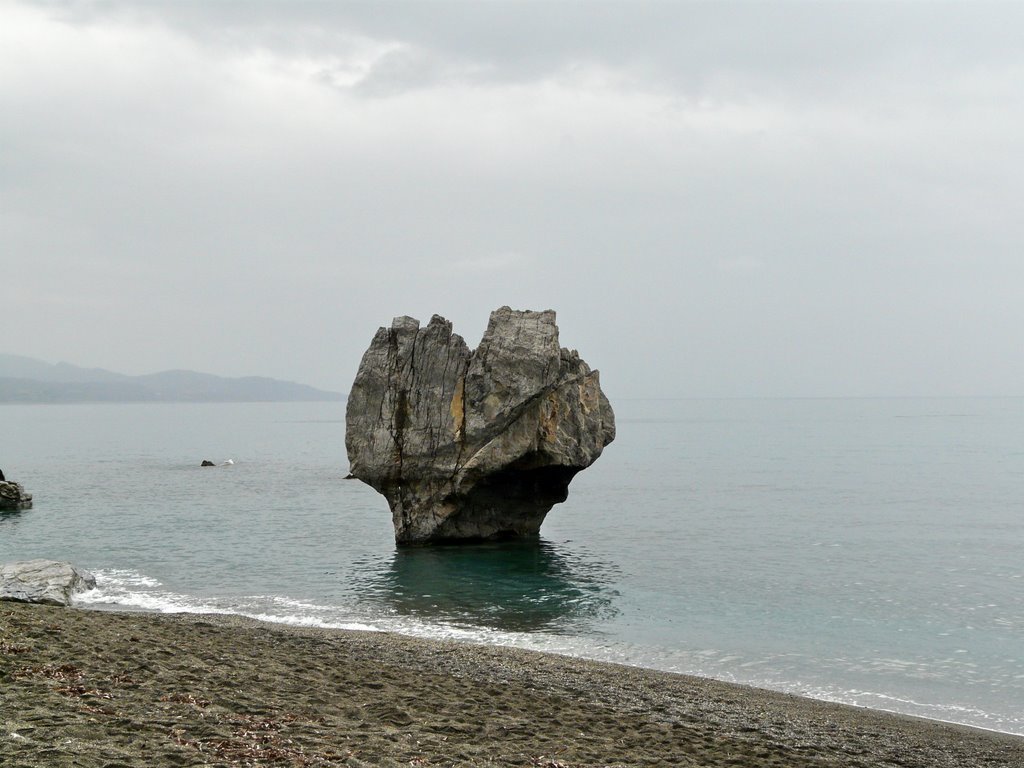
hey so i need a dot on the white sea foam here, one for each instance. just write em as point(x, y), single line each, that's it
point(310, 621)
point(127, 589)
point(130, 589)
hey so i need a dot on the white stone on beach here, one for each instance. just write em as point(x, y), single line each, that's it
point(43, 581)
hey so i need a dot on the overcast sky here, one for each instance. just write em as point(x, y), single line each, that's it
point(718, 199)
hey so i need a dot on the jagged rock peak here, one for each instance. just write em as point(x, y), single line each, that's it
point(471, 445)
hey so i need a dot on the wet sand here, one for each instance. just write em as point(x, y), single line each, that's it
point(95, 688)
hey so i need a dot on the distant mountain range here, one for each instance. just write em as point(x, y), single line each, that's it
point(25, 380)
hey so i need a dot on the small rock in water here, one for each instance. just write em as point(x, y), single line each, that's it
point(14, 496)
point(473, 445)
point(207, 463)
point(43, 581)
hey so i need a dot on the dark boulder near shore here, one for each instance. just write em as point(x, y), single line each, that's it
point(474, 445)
point(13, 496)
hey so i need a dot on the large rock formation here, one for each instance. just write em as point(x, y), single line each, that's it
point(43, 581)
point(14, 496)
point(473, 445)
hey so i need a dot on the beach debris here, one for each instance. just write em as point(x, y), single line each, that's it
point(256, 740)
point(43, 581)
point(13, 496)
point(473, 445)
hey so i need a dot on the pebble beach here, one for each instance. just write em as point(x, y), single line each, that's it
point(100, 688)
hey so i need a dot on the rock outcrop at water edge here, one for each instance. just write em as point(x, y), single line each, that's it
point(474, 445)
point(14, 496)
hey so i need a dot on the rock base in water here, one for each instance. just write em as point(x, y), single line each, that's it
point(14, 496)
point(475, 445)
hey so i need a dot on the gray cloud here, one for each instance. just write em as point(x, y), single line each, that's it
point(718, 198)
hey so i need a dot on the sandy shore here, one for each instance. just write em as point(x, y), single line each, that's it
point(92, 688)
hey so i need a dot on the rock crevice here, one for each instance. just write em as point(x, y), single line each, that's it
point(471, 445)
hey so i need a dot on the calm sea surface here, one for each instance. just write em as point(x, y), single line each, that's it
point(863, 551)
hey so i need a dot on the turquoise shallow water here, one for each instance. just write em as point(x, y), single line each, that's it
point(864, 551)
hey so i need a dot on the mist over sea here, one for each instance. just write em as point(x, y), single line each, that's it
point(866, 551)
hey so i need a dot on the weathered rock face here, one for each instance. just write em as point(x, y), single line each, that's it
point(14, 496)
point(43, 581)
point(473, 445)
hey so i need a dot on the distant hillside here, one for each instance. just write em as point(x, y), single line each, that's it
point(25, 380)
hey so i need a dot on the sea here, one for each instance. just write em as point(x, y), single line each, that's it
point(864, 551)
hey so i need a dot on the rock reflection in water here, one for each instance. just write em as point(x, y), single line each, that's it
point(10, 516)
point(512, 586)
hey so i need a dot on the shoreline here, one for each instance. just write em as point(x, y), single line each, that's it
point(472, 641)
point(130, 688)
